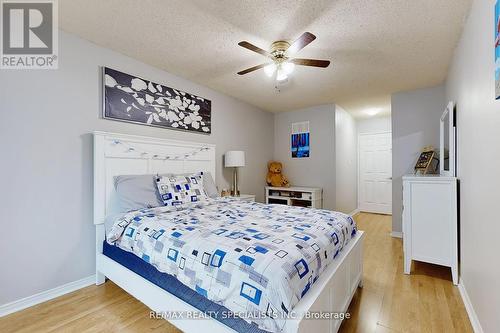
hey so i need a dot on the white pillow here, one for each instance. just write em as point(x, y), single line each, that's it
point(176, 190)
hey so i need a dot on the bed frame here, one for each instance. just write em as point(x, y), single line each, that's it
point(119, 154)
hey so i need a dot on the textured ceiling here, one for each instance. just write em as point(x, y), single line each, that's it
point(377, 47)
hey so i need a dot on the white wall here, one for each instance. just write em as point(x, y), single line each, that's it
point(374, 125)
point(415, 124)
point(346, 157)
point(471, 84)
point(318, 170)
point(45, 125)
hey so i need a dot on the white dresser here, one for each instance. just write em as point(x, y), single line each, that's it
point(430, 221)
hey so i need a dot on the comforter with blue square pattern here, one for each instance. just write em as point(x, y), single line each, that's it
point(249, 257)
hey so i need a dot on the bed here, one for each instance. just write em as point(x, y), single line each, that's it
point(250, 258)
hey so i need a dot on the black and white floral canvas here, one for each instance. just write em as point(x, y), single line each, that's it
point(130, 98)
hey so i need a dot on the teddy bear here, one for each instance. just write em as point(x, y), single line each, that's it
point(274, 176)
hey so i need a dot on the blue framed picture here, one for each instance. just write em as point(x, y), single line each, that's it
point(300, 145)
point(497, 49)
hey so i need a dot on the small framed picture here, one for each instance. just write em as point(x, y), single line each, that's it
point(424, 161)
point(300, 145)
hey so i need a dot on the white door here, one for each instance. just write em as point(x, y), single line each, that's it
point(375, 173)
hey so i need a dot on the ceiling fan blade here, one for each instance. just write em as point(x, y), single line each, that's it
point(254, 68)
point(311, 62)
point(301, 42)
point(254, 48)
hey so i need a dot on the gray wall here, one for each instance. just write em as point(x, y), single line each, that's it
point(415, 124)
point(374, 125)
point(471, 84)
point(46, 197)
point(346, 157)
point(318, 170)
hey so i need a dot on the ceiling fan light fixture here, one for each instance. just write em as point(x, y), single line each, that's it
point(270, 69)
point(280, 54)
point(288, 67)
point(281, 75)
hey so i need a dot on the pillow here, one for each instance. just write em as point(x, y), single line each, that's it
point(208, 183)
point(176, 190)
point(136, 192)
point(140, 191)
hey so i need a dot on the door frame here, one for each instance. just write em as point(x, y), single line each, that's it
point(359, 159)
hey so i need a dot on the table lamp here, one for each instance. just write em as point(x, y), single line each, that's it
point(234, 159)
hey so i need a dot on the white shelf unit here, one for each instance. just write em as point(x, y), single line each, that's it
point(311, 197)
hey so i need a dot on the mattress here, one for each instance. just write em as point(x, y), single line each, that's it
point(256, 260)
point(170, 284)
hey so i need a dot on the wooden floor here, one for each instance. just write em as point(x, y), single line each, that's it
point(390, 301)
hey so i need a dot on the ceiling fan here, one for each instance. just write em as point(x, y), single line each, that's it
point(281, 62)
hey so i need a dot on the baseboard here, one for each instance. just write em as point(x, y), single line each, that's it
point(44, 296)
point(474, 320)
point(397, 234)
point(354, 212)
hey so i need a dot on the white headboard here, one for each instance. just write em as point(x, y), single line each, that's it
point(121, 154)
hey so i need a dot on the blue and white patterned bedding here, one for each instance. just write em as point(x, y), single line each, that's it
point(252, 258)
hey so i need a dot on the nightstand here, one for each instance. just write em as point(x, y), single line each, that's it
point(245, 197)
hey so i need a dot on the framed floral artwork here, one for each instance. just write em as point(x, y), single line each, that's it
point(136, 100)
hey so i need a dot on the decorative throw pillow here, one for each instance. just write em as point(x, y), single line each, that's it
point(180, 189)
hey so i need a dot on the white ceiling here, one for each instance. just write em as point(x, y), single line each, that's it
point(377, 47)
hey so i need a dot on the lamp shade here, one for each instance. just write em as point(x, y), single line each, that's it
point(234, 158)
